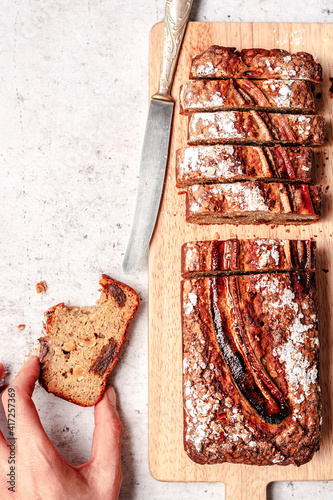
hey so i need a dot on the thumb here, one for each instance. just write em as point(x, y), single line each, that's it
point(106, 445)
point(19, 406)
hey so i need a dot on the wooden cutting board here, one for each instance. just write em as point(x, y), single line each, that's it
point(167, 459)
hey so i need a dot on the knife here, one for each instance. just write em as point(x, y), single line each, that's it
point(154, 154)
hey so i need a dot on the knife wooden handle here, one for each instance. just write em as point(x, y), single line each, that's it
point(176, 17)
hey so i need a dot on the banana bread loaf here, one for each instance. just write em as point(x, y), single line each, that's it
point(250, 369)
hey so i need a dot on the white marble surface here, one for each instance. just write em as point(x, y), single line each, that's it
point(73, 101)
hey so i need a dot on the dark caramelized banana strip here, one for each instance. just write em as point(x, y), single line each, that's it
point(247, 372)
point(228, 255)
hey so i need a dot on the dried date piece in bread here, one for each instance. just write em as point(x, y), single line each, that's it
point(226, 62)
point(291, 96)
point(229, 163)
point(250, 369)
point(81, 345)
point(253, 203)
point(216, 257)
point(252, 127)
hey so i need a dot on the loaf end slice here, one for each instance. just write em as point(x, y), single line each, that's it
point(81, 344)
point(227, 62)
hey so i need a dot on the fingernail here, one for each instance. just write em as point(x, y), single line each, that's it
point(30, 359)
point(112, 396)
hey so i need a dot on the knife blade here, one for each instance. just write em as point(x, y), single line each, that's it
point(155, 148)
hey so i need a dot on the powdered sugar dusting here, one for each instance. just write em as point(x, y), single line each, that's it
point(283, 98)
point(192, 302)
point(202, 406)
point(299, 372)
point(268, 250)
point(206, 69)
point(303, 124)
point(211, 162)
point(200, 409)
point(191, 257)
point(196, 96)
point(242, 196)
point(219, 125)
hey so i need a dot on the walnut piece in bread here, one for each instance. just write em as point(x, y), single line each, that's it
point(81, 344)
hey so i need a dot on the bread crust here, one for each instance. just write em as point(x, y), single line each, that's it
point(227, 62)
point(97, 351)
point(230, 163)
point(279, 325)
point(252, 127)
point(253, 203)
point(291, 96)
point(222, 257)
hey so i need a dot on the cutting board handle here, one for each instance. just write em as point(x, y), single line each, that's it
point(252, 490)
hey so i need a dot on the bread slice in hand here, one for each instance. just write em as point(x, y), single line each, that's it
point(81, 344)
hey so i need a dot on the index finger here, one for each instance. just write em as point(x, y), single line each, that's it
point(19, 393)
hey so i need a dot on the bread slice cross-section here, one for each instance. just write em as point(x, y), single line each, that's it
point(81, 344)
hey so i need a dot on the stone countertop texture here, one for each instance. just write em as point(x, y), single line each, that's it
point(73, 100)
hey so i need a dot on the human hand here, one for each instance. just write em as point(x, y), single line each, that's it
point(39, 471)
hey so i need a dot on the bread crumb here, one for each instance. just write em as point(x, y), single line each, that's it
point(216, 236)
point(41, 287)
point(20, 327)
